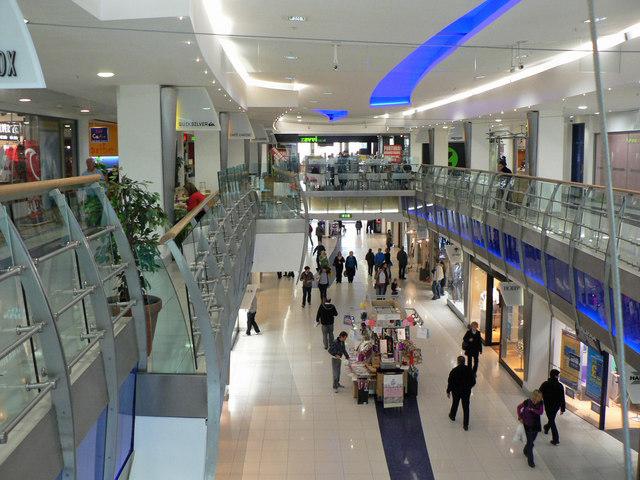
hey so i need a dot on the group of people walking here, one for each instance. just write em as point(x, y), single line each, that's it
point(548, 398)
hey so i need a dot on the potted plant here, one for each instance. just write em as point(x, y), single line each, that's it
point(141, 217)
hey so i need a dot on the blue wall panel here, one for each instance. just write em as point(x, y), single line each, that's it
point(558, 277)
point(476, 228)
point(493, 239)
point(511, 254)
point(532, 260)
point(126, 417)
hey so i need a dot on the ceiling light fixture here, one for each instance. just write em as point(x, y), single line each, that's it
point(67, 125)
point(180, 18)
point(297, 18)
point(106, 74)
point(479, 77)
point(85, 110)
point(25, 100)
point(606, 42)
point(206, 108)
point(291, 57)
point(187, 42)
point(313, 101)
point(327, 93)
point(291, 79)
point(582, 107)
point(213, 82)
point(598, 19)
point(498, 120)
point(609, 89)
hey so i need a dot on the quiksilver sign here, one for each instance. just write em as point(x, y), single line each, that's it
point(8, 63)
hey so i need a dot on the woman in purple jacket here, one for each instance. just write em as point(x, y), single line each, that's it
point(529, 413)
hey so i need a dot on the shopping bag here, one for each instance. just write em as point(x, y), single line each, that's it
point(520, 435)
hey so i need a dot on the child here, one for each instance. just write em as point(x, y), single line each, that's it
point(394, 287)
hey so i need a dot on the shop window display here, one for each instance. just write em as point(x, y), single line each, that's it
point(512, 340)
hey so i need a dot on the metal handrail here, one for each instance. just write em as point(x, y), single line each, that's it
point(17, 191)
point(11, 424)
point(24, 336)
point(65, 248)
point(185, 221)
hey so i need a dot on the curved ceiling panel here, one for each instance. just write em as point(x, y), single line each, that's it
point(398, 85)
point(333, 115)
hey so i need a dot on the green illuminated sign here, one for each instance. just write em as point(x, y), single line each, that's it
point(453, 157)
point(307, 139)
point(345, 215)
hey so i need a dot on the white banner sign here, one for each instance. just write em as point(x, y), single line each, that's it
point(195, 111)
point(240, 126)
point(454, 252)
point(393, 391)
point(633, 390)
point(19, 64)
point(512, 293)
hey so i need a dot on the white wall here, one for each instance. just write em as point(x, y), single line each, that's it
point(417, 139)
point(236, 152)
point(83, 143)
point(441, 146)
point(139, 137)
point(207, 151)
point(553, 144)
point(539, 344)
point(480, 146)
point(279, 252)
point(168, 448)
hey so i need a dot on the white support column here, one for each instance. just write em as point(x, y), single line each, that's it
point(441, 147)
point(539, 344)
point(554, 159)
point(236, 152)
point(207, 151)
point(417, 139)
point(83, 143)
point(139, 134)
point(480, 147)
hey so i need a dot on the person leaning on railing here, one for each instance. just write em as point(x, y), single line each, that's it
point(195, 198)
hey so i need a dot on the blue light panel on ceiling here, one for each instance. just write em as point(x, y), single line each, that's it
point(398, 85)
point(333, 115)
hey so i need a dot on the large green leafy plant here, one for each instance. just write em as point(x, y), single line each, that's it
point(141, 216)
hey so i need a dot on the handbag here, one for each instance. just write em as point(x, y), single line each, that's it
point(520, 435)
point(465, 344)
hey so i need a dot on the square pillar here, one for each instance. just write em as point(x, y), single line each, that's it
point(538, 344)
point(554, 157)
point(207, 151)
point(441, 146)
point(479, 147)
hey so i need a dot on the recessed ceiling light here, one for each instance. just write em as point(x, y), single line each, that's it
point(198, 60)
point(582, 107)
point(297, 18)
point(291, 57)
point(597, 113)
point(570, 116)
point(501, 112)
point(85, 110)
point(25, 123)
point(206, 108)
point(299, 120)
point(327, 93)
point(181, 18)
point(213, 82)
point(299, 116)
point(187, 42)
point(498, 120)
point(478, 77)
point(515, 109)
point(106, 74)
point(598, 19)
point(219, 89)
point(67, 126)
point(26, 20)
point(25, 100)
point(609, 89)
point(564, 99)
point(291, 79)
point(206, 72)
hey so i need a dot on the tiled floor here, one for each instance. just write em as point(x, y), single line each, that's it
point(283, 420)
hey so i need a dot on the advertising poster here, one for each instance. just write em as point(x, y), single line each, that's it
point(594, 374)
point(393, 391)
point(394, 152)
point(457, 155)
point(570, 359)
point(103, 139)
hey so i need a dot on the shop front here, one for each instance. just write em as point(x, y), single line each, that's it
point(591, 379)
point(34, 148)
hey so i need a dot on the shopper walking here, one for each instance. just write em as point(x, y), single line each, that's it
point(358, 226)
point(378, 260)
point(317, 251)
point(306, 277)
point(338, 264)
point(350, 265)
point(323, 260)
point(251, 315)
point(472, 345)
point(403, 259)
point(436, 286)
point(311, 234)
point(382, 280)
point(370, 226)
point(337, 350)
point(461, 381)
point(323, 281)
point(389, 239)
point(529, 413)
point(325, 317)
point(387, 258)
point(369, 257)
point(553, 395)
point(319, 233)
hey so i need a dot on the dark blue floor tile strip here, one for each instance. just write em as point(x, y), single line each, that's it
point(403, 440)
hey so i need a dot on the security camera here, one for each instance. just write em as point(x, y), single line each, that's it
point(336, 66)
point(521, 66)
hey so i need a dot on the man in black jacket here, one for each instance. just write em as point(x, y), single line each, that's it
point(553, 395)
point(461, 381)
point(326, 313)
point(337, 350)
point(403, 259)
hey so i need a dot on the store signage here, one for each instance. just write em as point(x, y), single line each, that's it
point(394, 152)
point(99, 134)
point(345, 215)
point(454, 253)
point(393, 391)
point(512, 294)
point(195, 111)
point(569, 359)
point(595, 367)
point(240, 126)
point(312, 139)
point(10, 131)
point(19, 64)
point(633, 388)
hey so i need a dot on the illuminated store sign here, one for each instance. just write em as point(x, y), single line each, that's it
point(10, 131)
point(315, 139)
point(8, 63)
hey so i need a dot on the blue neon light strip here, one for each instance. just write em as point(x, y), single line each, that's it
point(333, 115)
point(398, 85)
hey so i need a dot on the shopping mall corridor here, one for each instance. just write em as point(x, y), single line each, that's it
point(284, 421)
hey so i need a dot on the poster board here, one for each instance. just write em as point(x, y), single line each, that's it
point(512, 294)
point(595, 367)
point(103, 139)
point(569, 359)
point(393, 152)
point(393, 391)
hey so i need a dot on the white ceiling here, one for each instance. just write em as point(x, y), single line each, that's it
point(372, 38)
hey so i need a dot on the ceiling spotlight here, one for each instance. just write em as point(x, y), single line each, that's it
point(570, 116)
point(291, 57)
point(501, 112)
point(213, 82)
point(291, 79)
point(564, 99)
point(219, 89)
point(85, 110)
point(66, 125)
point(25, 20)
point(327, 93)
point(106, 74)
point(187, 42)
point(478, 77)
point(206, 108)
point(180, 18)
point(582, 107)
point(198, 60)
point(206, 72)
point(25, 100)
point(299, 116)
point(498, 120)
point(297, 18)
point(609, 89)
point(515, 109)
point(597, 113)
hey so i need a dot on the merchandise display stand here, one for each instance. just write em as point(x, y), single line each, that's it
point(384, 362)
